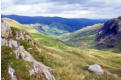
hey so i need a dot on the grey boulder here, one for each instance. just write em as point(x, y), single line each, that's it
point(96, 68)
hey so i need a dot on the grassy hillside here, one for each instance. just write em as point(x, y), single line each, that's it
point(84, 38)
point(70, 63)
point(50, 30)
point(44, 40)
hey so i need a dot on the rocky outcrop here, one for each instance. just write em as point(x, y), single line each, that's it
point(13, 43)
point(19, 35)
point(5, 30)
point(96, 68)
point(37, 66)
point(4, 42)
point(27, 37)
point(11, 71)
point(22, 53)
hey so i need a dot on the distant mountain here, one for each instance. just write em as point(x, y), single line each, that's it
point(67, 24)
point(109, 35)
point(84, 38)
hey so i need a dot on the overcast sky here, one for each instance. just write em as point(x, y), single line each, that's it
point(63, 8)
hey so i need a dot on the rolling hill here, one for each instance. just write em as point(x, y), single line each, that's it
point(52, 30)
point(84, 38)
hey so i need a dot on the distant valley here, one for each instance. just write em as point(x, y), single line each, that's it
point(55, 26)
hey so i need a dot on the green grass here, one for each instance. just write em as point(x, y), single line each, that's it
point(72, 64)
point(48, 41)
point(83, 38)
point(9, 59)
point(5, 59)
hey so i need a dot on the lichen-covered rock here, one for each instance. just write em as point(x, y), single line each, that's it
point(13, 43)
point(27, 37)
point(5, 30)
point(11, 71)
point(29, 48)
point(19, 35)
point(4, 42)
point(19, 51)
point(96, 68)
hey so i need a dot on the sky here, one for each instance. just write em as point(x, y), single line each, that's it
point(63, 8)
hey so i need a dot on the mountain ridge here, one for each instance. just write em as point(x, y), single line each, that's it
point(73, 24)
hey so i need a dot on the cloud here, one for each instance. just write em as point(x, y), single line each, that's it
point(63, 8)
point(46, 1)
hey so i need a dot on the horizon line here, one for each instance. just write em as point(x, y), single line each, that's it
point(52, 16)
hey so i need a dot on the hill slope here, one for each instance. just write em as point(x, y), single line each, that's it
point(54, 29)
point(68, 63)
point(109, 36)
point(84, 38)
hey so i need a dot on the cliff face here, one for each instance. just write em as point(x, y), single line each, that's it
point(12, 39)
point(109, 35)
